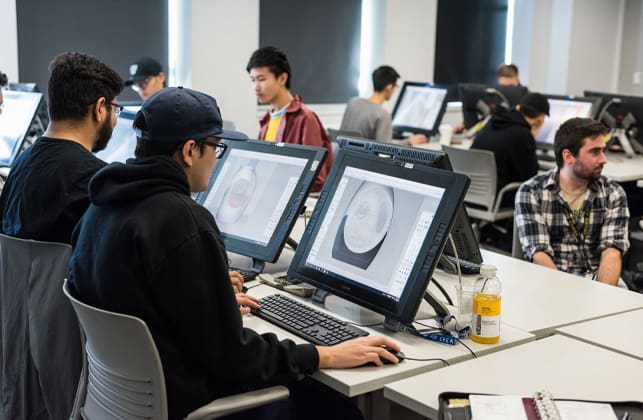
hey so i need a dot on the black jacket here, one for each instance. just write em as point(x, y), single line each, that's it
point(145, 248)
point(508, 136)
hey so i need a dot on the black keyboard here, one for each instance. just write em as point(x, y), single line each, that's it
point(466, 267)
point(306, 322)
point(247, 274)
point(546, 158)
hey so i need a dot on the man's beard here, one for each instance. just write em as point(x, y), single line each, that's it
point(104, 134)
point(586, 174)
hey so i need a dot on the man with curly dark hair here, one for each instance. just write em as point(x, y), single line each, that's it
point(46, 191)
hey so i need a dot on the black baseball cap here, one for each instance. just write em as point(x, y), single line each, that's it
point(177, 114)
point(535, 102)
point(142, 69)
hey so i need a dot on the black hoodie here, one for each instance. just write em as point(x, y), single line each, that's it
point(508, 136)
point(145, 248)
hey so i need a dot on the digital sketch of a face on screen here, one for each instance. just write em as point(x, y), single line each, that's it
point(365, 225)
point(238, 195)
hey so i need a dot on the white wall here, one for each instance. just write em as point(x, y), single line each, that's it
point(9, 37)
point(631, 61)
point(409, 39)
point(224, 35)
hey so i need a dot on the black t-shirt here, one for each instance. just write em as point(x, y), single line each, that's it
point(46, 192)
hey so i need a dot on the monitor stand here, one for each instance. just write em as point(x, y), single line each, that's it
point(620, 136)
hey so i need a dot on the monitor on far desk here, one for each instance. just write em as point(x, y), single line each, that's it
point(480, 101)
point(17, 116)
point(623, 114)
point(256, 193)
point(562, 108)
point(419, 108)
point(377, 232)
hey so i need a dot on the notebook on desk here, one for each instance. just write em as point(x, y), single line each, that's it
point(540, 406)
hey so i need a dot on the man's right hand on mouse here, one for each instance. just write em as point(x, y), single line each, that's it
point(357, 352)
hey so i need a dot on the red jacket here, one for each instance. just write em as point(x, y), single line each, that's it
point(300, 125)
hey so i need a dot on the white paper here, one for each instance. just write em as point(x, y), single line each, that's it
point(497, 407)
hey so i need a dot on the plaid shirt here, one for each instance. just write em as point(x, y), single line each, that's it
point(542, 224)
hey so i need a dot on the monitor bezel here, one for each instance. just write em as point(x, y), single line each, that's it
point(438, 120)
point(272, 250)
point(404, 309)
point(17, 147)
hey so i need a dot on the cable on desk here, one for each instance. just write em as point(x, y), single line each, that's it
point(443, 291)
point(364, 325)
point(475, 356)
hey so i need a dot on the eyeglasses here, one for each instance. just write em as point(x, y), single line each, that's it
point(116, 107)
point(219, 148)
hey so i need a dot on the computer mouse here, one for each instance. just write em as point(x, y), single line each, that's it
point(400, 356)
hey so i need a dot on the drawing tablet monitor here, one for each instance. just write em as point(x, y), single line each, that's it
point(419, 108)
point(561, 109)
point(257, 191)
point(626, 110)
point(480, 100)
point(464, 237)
point(15, 122)
point(377, 232)
point(123, 142)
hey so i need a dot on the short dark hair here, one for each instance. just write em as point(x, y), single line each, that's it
point(384, 76)
point(149, 147)
point(572, 134)
point(274, 59)
point(78, 80)
point(3, 79)
point(507, 70)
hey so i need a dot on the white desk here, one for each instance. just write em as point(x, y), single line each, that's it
point(621, 333)
point(353, 382)
point(539, 300)
point(566, 367)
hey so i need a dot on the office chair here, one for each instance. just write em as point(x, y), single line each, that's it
point(516, 248)
point(40, 356)
point(125, 375)
point(482, 199)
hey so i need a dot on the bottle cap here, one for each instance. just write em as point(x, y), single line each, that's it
point(488, 270)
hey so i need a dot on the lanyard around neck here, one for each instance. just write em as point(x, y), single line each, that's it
point(572, 223)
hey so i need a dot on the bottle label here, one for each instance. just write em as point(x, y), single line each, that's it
point(486, 315)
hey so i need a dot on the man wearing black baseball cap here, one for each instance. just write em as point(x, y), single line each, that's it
point(145, 248)
point(146, 77)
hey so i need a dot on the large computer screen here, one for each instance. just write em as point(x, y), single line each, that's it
point(377, 232)
point(123, 142)
point(464, 237)
point(621, 111)
point(419, 108)
point(15, 121)
point(257, 191)
point(562, 108)
point(479, 101)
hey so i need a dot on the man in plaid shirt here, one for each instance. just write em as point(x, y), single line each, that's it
point(572, 218)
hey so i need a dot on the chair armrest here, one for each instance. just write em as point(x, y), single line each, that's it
point(239, 402)
point(512, 186)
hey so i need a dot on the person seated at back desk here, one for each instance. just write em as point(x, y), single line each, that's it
point(510, 135)
point(289, 120)
point(368, 117)
point(571, 218)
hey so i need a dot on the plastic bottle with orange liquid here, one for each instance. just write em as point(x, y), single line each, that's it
point(485, 325)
